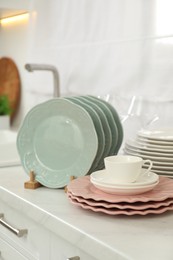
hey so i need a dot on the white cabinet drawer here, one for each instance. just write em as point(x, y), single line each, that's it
point(39, 243)
point(8, 253)
point(36, 242)
point(63, 250)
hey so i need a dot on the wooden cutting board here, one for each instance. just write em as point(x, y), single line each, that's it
point(10, 83)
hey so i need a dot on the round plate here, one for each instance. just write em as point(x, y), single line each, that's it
point(128, 212)
point(155, 142)
point(82, 187)
point(102, 177)
point(117, 121)
point(124, 190)
point(154, 145)
point(165, 134)
point(153, 158)
point(123, 205)
point(111, 122)
point(144, 152)
point(99, 130)
point(149, 148)
point(57, 140)
point(105, 126)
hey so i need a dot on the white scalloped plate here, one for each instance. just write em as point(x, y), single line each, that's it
point(150, 153)
point(165, 135)
point(149, 148)
point(151, 157)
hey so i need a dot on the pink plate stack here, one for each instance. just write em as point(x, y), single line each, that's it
point(84, 194)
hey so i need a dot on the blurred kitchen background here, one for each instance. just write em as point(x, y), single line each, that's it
point(119, 50)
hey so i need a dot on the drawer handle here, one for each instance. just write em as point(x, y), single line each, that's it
point(17, 232)
point(74, 258)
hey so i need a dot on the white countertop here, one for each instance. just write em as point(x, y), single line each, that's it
point(103, 236)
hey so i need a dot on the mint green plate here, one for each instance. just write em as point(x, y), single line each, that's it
point(105, 126)
point(111, 122)
point(99, 130)
point(117, 121)
point(57, 140)
point(104, 121)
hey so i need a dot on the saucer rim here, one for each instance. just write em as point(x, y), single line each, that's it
point(118, 187)
point(132, 185)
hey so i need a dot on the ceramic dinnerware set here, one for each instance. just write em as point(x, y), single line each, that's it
point(66, 137)
point(156, 145)
point(123, 187)
point(123, 175)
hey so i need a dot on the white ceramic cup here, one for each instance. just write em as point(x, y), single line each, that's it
point(125, 168)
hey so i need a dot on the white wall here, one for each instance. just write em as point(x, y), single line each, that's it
point(112, 48)
point(14, 44)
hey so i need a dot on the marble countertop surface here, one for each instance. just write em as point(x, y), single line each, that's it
point(103, 236)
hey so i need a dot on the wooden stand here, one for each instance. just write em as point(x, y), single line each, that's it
point(32, 183)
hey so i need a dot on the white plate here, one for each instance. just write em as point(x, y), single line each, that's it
point(165, 134)
point(133, 143)
point(161, 171)
point(153, 158)
point(144, 152)
point(160, 167)
point(156, 142)
point(124, 190)
point(102, 177)
point(154, 145)
point(57, 140)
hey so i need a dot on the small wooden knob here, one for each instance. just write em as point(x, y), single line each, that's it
point(32, 183)
point(32, 176)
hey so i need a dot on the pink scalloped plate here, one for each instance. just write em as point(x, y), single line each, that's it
point(82, 187)
point(123, 205)
point(128, 212)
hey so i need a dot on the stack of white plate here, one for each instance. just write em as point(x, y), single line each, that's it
point(66, 137)
point(156, 145)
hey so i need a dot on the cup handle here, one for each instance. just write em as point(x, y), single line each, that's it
point(150, 165)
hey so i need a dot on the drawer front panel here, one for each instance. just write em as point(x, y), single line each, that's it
point(63, 250)
point(36, 241)
point(8, 253)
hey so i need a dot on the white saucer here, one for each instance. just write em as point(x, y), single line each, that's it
point(102, 177)
point(124, 190)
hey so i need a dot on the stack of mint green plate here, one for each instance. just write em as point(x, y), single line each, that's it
point(66, 137)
